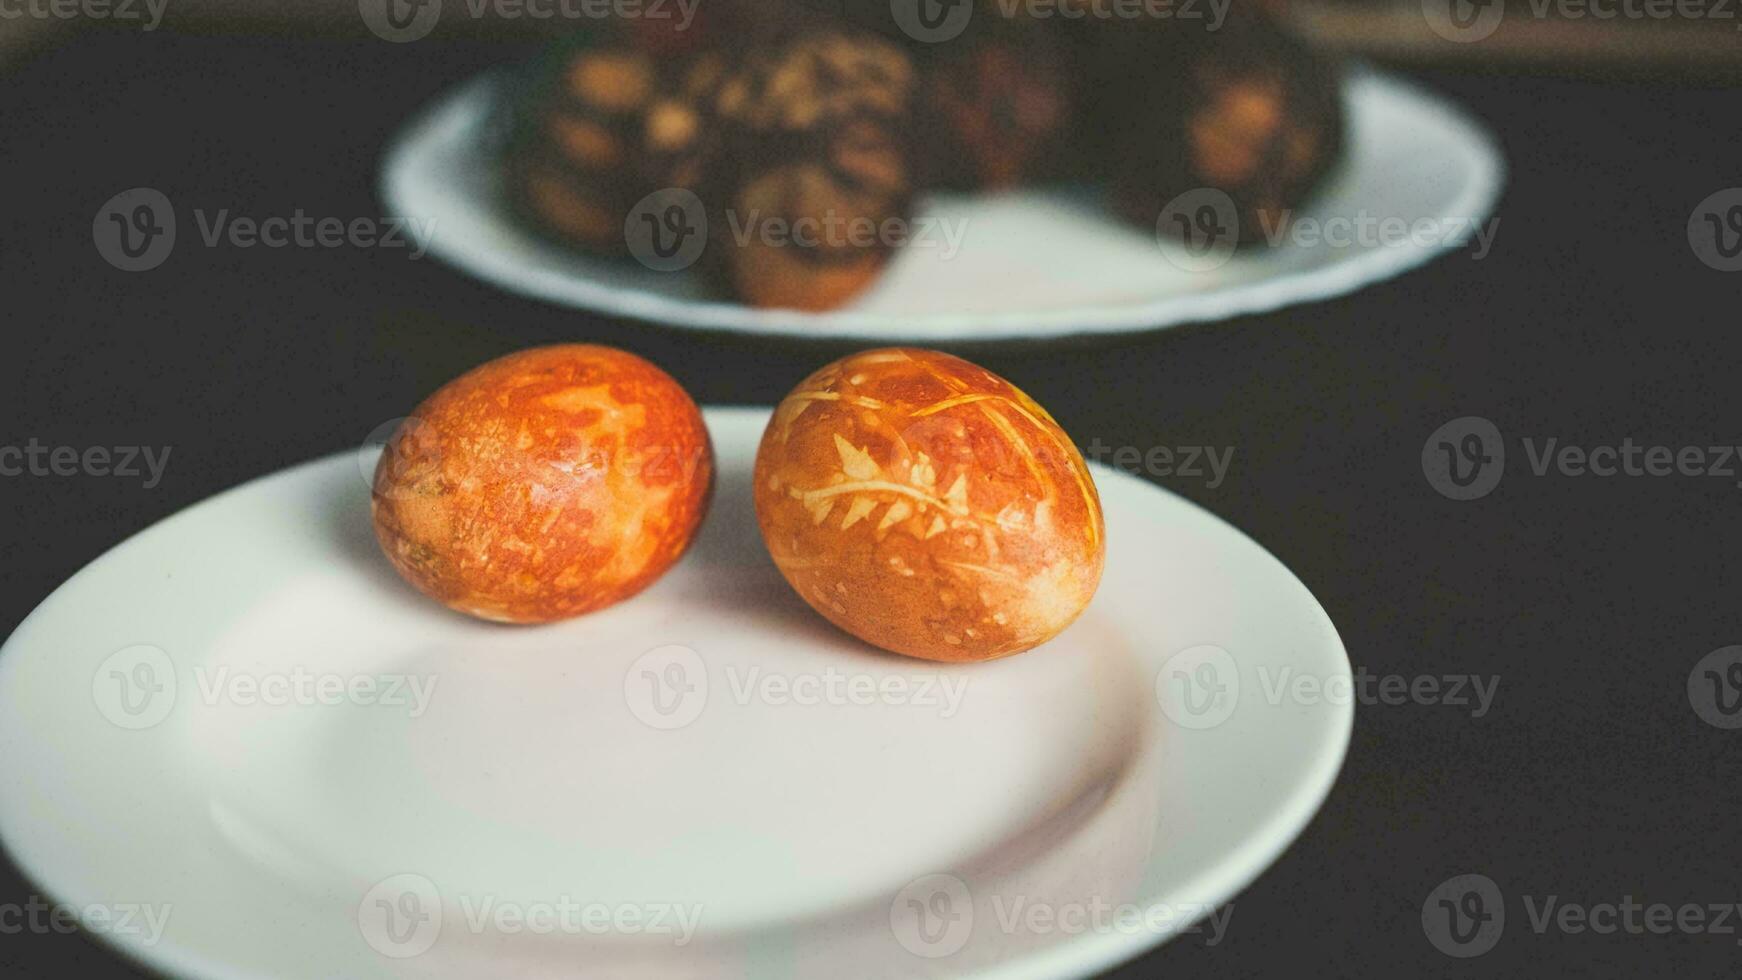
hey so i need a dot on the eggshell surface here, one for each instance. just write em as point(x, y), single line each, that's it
point(928, 506)
point(545, 484)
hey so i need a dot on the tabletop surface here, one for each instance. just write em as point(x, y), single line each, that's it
point(1587, 599)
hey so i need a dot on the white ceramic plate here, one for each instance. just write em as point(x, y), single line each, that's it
point(1419, 176)
point(202, 729)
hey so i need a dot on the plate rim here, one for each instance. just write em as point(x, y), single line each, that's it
point(1475, 204)
point(1081, 956)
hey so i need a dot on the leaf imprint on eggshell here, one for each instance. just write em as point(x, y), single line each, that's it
point(857, 464)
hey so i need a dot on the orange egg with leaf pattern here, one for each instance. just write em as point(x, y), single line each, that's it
point(929, 507)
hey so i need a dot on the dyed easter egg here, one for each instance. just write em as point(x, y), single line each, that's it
point(545, 484)
point(929, 507)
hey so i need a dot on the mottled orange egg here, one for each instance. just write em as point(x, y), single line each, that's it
point(929, 507)
point(544, 484)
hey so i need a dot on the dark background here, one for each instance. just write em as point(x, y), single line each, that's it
point(1591, 321)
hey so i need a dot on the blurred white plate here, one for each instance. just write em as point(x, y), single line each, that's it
point(1031, 264)
point(679, 771)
